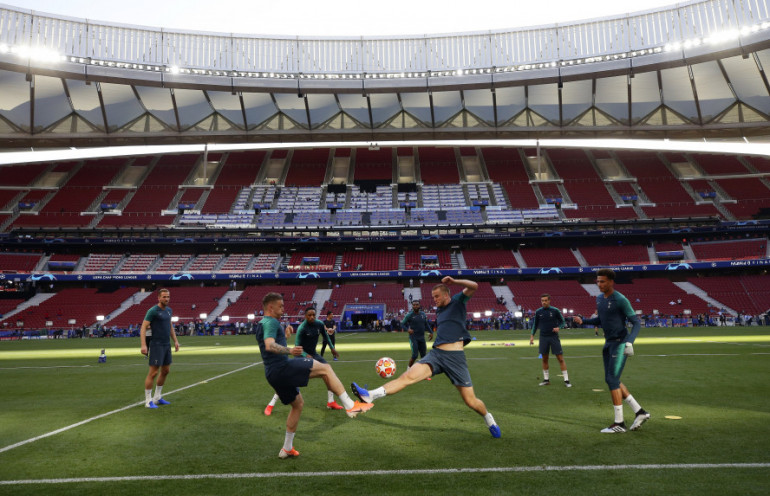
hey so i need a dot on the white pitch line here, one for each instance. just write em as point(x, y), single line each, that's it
point(97, 417)
point(461, 470)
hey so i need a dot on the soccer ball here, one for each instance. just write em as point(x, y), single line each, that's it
point(386, 367)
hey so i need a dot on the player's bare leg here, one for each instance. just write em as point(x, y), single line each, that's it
point(415, 373)
point(469, 397)
point(563, 366)
point(333, 384)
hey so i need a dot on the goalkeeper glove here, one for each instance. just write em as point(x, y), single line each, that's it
point(629, 350)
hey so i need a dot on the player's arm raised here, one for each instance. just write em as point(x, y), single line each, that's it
point(469, 287)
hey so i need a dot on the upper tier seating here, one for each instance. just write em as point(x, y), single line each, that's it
point(615, 254)
point(489, 259)
point(548, 257)
point(730, 250)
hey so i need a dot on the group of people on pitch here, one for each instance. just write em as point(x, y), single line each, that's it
point(447, 356)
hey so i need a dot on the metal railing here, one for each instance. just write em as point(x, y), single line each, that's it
point(296, 54)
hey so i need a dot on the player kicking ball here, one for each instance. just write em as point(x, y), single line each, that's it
point(287, 376)
point(613, 309)
point(308, 333)
point(447, 355)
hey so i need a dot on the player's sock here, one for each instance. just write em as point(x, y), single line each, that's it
point(147, 396)
point(288, 441)
point(273, 401)
point(546, 375)
point(347, 403)
point(618, 414)
point(635, 406)
point(329, 396)
point(377, 393)
point(566, 375)
point(489, 419)
point(158, 391)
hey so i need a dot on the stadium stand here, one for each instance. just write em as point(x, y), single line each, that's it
point(374, 164)
point(308, 167)
point(615, 254)
point(505, 167)
point(391, 294)
point(82, 305)
point(427, 259)
point(548, 257)
point(662, 295)
point(564, 294)
point(489, 259)
point(438, 165)
point(370, 260)
point(738, 249)
point(19, 262)
point(311, 261)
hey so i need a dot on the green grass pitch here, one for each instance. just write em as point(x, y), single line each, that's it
point(214, 438)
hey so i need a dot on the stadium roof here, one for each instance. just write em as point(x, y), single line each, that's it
point(694, 70)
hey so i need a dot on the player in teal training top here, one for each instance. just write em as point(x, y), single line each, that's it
point(613, 310)
point(156, 334)
point(447, 355)
point(287, 376)
point(549, 320)
point(308, 333)
point(416, 323)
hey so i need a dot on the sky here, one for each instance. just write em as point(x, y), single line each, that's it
point(338, 17)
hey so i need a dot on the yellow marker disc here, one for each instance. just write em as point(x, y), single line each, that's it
point(673, 417)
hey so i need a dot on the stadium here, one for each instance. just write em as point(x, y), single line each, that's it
point(352, 174)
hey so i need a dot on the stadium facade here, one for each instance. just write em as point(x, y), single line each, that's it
point(694, 70)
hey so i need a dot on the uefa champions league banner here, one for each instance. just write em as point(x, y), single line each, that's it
point(433, 274)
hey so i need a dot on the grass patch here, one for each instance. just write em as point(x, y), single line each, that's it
point(712, 378)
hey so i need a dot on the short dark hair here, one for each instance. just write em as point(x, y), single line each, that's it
point(545, 295)
point(163, 290)
point(329, 313)
point(309, 309)
point(270, 298)
point(608, 273)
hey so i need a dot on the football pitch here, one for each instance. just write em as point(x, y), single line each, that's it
point(73, 426)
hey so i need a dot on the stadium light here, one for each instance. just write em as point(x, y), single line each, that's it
point(250, 316)
point(563, 310)
point(518, 314)
point(571, 311)
point(203, 315)
point(476, 315)
point(175, 318)
point(488, 313)
point(99, 318)
point(225, 318)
